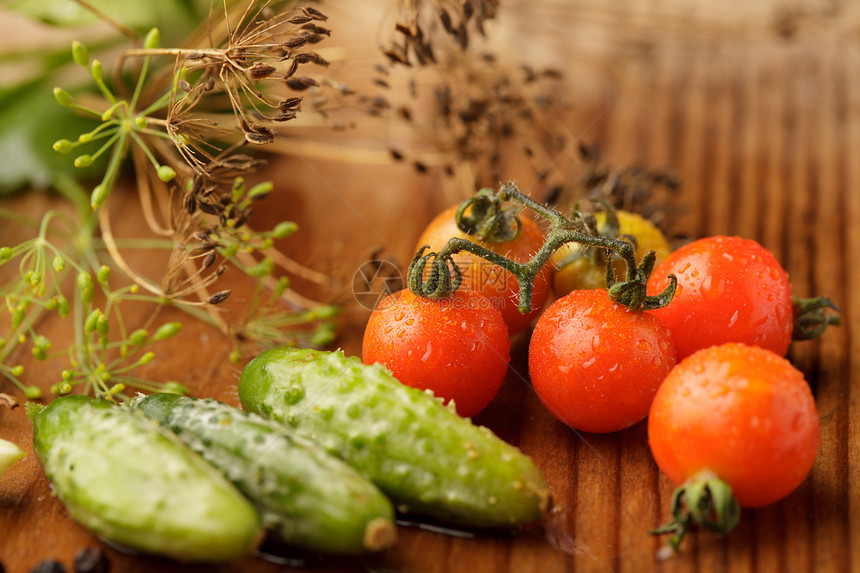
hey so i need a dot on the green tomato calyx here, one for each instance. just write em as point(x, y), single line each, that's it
point(704, 501)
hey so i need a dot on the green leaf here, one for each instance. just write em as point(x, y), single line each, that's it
point(30, 123)
point(173, 17)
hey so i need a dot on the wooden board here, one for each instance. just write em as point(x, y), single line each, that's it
point(756, 106)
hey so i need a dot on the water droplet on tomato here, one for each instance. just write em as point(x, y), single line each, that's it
point(427, 352)
point(588, 363)
point(595, 342)
point(718, 391)
point(698, 368)
point(410, 321)
point(733, 319)
point(399, 315)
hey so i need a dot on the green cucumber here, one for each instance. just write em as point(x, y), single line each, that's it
point(134, 484)
point(306, 497)
point(421, 454)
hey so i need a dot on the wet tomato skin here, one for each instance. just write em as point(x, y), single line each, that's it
point(595, 364)
point(494, 282)
point(458, 346)
point(740, 412)
point(729, 290)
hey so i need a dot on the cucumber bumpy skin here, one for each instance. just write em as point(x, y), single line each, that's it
point(424, 456)
point(306, 497)
point(134, 484)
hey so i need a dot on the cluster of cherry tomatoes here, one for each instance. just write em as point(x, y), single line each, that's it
point(707, 369)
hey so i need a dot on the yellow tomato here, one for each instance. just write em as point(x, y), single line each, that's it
point(577, 270)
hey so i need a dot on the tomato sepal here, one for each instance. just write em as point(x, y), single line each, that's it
point(488, 219)
point(631, 291)
point(703, 501)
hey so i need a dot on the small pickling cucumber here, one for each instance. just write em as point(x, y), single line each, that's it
point(132, 483)
point(305, 497)
point(424, 456)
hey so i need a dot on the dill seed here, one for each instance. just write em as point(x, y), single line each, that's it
point(296, 42)
point(300, 19)
point(260, 71)
point(405, 30)
point(316, 14)
point(285, 116)
point(208, 208)
point(208, 260)
point(468, 9)
point(301, 83)
point(294, 66)
point(290, 103)
point(310, 57)
point(396, 57)
point(219, 297)
point(445, 18)
point(190, 203)
point(317, 29)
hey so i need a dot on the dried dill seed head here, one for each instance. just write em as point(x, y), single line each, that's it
point(420, 26)
point(648, 191)
point(482, 112)
point(261, 47)
point(485, 111)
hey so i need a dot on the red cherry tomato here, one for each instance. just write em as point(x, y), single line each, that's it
point(740, 412)
point(494, 282)
point(458, 346)
point(595, 364)
point(729, 290)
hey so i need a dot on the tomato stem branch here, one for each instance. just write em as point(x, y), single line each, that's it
point(489, 218)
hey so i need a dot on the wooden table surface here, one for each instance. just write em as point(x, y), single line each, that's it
point(756, 107)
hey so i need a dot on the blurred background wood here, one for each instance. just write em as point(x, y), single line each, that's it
point(756, 107)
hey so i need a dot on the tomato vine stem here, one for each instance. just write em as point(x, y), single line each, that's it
point(812, 316)
point(491, 218)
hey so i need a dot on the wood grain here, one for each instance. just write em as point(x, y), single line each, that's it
point(756, 106)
